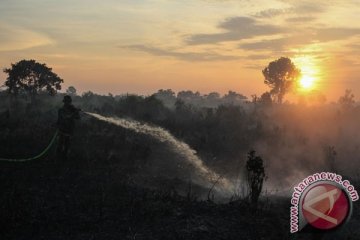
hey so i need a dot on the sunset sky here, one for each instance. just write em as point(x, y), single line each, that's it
point(140, 46)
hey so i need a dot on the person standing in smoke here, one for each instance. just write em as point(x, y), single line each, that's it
point(67, 115)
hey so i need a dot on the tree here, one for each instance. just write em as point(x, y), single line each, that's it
point(71, 91)
point(165, 94)
point(167, 97)
point(348, 100)
point(188, 96)
point(31, 77)
point(265, 99)
point(255, 176)
point(180, 105)
point(280, 75)
point(213, 96)
point(233, 98)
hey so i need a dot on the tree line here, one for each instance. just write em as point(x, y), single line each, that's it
point(31, 77)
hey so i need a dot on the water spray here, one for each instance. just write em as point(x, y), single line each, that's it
point(180, 147)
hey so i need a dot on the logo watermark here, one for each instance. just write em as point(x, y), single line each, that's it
point(323, 201)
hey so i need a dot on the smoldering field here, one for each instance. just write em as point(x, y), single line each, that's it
point(144, 170)
point(297, 143)
point(294, 140)
point(300, 140)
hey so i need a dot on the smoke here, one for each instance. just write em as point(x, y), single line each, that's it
point(208, 177)
point(295, 142)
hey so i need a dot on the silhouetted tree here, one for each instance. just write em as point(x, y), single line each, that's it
point(280, 76)
point(213, 96)
point(212, 99)
point(347, 101)
point(167, 97)
point(266, 99)
point(255, 176)
point(130, 105)
point(165, 94)
point(88, 94)
point(233, 98)
point(254, 98)
point(71, 91)
point(180, 105)
point(189, 96)
point(31, 77)
point(152, 109)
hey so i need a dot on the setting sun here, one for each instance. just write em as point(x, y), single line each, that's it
point(306, 82)
point(310, 72)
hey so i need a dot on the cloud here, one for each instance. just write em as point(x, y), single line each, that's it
point(258, 57)
point(309, 7)
point(300, 19)
point(322, 2)
point(14, 38)
point(236, 28)
point(274, 44)
point(185, 56)
point(331, 34)
point(353, 46)
point(271, 12)
point(254, 66)
point(296, 8)
point(194, 56)
point(280, 44)
point(314, 35)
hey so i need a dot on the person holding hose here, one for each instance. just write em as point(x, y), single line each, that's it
point(67, 115)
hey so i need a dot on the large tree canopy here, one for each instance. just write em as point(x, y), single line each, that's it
point(31, 77)
point(280, 75)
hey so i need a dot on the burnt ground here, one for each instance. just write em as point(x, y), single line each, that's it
point(73, 199)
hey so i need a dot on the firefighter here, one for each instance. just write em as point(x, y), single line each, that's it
point(67, 115)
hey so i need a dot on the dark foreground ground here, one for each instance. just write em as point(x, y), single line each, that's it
point(51, 199)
